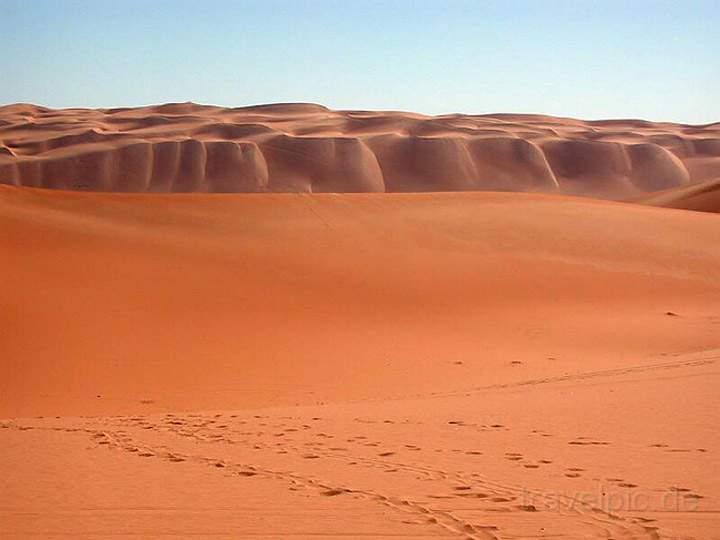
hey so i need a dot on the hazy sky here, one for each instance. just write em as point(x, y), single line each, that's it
point(657, 60)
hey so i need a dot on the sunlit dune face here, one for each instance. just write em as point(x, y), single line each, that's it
point(185, 147)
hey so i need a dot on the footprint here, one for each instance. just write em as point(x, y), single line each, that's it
point(474, 495)
point(333, 492)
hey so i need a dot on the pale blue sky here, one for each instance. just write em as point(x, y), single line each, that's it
point(658, 60)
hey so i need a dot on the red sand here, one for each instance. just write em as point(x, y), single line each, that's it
point(460, 365)
point(187, 147)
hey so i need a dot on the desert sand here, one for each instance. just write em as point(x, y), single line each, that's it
point(186, 147)
point(430, 362)
point(700, 196)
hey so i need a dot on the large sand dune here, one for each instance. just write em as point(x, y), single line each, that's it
point(458, 365)
point(186, 147)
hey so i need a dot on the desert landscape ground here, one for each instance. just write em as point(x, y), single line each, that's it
point(286, 321)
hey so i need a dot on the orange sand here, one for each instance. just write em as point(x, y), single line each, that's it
point(457, 365)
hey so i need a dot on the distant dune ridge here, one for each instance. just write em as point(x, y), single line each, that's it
point(186, 147)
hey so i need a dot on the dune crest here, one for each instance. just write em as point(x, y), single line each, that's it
point(302, 147)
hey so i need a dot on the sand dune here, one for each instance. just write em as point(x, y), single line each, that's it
point(457, 365)
point(299, 292)
point(703, 196)
point(185, 147)
point(415, 359)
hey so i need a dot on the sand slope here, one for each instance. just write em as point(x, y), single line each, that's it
point(185, 147)
point(703, 197)
point(285, 296)
point(457, 365)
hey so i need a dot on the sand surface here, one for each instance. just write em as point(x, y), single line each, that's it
point(185, 147)
point(452, 365)
point(701, 196)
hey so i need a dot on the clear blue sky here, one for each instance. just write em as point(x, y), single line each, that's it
point(658, 60)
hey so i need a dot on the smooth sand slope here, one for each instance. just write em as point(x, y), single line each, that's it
point(702, 197)
point(460, 365)
point(185, 147)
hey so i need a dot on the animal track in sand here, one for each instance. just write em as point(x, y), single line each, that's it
point(498, 493)
point(333, 492)
point(588, 443)
point(474, 495)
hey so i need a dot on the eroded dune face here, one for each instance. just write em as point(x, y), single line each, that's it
point(185, 147)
